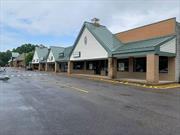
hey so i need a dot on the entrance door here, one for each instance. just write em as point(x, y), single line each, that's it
point(64, 67)
point(101, 67)
point(98, 67)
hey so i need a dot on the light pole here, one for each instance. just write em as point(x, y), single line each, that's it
point(25, 58)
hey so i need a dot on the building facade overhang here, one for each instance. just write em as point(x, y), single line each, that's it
point(163, 46)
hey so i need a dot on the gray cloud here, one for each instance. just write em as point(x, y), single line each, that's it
point(61, 18)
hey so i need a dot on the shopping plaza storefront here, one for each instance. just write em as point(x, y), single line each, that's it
point(150, 53)
point(91, 50)
point(57, 60)
point(93, 67)
point(39, 58)
point(152, 59)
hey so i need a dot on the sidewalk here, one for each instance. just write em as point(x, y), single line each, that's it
point(132, 82)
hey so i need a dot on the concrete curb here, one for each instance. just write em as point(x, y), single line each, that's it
point(151, 86)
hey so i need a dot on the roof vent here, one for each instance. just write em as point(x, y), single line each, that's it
point(95, 21)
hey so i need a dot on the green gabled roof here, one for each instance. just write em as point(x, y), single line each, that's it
point(143, 45)
point(21, 57)
point(102, 35)
point(42, 52)
point(56, 50)
point(15, 54)
point(67, 52)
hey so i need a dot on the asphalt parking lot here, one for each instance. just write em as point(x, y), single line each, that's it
point(40, 103)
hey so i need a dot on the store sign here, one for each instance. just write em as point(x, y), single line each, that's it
point(76, 54)
point(121, 67)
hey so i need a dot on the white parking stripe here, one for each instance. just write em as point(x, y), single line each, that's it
point(23, 75)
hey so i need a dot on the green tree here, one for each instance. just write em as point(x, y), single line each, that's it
point(5, 57)
point(25, 48)
point(29, 57)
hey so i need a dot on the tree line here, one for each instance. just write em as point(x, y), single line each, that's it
point(25, 48)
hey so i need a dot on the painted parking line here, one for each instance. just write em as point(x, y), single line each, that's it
point(78, 89)
point(21, 75)
point(69, 86)
point(73, 87)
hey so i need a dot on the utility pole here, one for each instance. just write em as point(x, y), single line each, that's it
point(25, 58)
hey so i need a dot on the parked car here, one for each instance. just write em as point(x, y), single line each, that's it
point(29, 68)
point(2, 69)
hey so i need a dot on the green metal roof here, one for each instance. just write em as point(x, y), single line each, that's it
point(56, 51)
point(42, 52)
point(21, 57)
point(15, 54)
point(102, 35)
point(148, 45)
point(67, 52)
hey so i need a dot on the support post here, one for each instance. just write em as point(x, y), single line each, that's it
point(56, 67)
point(171, 68)
point(112, 68)
point(40, 67)
point(70, 67)
point(152, 68)
point(47, 67)
point(130, 64)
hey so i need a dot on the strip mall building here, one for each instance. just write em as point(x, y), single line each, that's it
point(150, 52)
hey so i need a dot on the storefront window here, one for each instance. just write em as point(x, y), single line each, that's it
point(89, 65)
point(139, 65)
point(78, 65)
point(163, 64)
point(122, 65)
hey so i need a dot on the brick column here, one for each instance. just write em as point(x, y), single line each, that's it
point(40, 67)
point(171, 68)
point(47, 67)
point(177, 67)
point(130, 64)
point(84, 65)
point(32, 65)
point(152, 68)
point(70, 67)
point(56, 67)
point(112, 68)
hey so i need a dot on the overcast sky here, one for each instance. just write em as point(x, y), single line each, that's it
point(57, 22)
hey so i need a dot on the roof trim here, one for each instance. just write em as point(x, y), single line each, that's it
point(142, 53)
